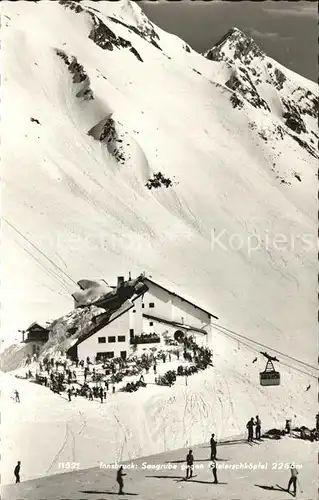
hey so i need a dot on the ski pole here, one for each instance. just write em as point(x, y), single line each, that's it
point(300, 485)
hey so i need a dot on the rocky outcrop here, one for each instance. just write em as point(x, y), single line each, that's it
point(147, 31)
point(105, 131)
point(243, 85)
point(79, 76)
point(106, 39)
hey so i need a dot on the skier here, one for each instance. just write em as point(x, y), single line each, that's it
point(214, 471)
point(189, 464)
point(119, 479)
point(17, 396)
point(288, 426)
point(250, 427)
point(213, 445)
point(293, 479)
point(69, 394)
point(258, 427)
point(17, 472)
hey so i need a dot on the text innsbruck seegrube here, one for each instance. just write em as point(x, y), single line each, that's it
point(221, 465)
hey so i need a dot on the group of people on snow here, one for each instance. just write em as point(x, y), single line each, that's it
point(250, 426)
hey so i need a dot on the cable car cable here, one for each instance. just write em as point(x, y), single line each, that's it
point(49, 273)
point(40, 251)
point(254, 349)
point(267, 347)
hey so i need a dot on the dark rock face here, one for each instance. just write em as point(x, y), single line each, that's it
point(106, 39)
point(292, 116)
point(106, 132)
point(147, 31)
point(236, 102)
point(302, 143)
point(158, 180)
point(244, 86)
point(78, 74)
point(72, 5)
point(308, 102)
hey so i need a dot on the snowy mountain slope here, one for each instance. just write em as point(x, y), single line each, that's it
point(73, 89)
point(84, 203)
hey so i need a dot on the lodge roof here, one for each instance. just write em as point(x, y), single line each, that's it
point(36, 326)
point(175, 323)
point(180, 297)
point(108, 317)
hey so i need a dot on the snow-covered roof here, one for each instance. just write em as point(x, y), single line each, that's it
point(180, 297)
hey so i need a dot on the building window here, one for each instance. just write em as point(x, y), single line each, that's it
point(143, 305)
point(111, 339)
point(101, 340)
point(121, 338)
point(152, 304)
point(151, 323)
point(134, 310)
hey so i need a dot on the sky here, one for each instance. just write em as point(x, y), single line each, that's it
point(286, 31)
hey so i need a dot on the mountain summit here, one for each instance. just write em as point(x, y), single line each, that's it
point(235, 45)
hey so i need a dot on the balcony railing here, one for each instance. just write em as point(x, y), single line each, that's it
point(145, 339)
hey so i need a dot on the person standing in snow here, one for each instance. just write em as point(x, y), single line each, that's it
point(119, 479)
point(189, 464)
point(258, 427)
point(214, 471)
point(293, 479)
point(101, 394)
point(69, 393)
point(17, 472)
point(213, 447)
point(250, 427)
point(17, 396)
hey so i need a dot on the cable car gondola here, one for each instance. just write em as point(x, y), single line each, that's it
point(269, 376)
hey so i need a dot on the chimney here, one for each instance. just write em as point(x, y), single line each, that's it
point(120, 281)
point(129, 275)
